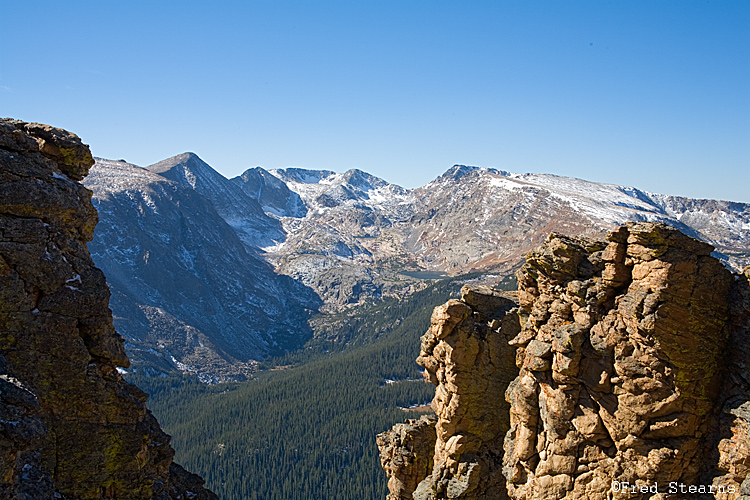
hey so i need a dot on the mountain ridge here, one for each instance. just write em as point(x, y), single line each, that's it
point(240, 211)
point(349, 239)
point(188, 292)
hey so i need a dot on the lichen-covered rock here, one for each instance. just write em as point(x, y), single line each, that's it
point(71, 426)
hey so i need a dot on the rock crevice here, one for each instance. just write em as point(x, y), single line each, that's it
point(466, 355)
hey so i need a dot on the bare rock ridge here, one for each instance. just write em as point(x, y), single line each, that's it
point(406, 453)
point(466, 355)
point(70, 426)
point(470, 427)
point(622, 373)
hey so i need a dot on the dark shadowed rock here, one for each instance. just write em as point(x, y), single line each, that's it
point(70, 427)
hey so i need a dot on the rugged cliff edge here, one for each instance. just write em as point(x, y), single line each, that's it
point(630, 379)
point(70, 426)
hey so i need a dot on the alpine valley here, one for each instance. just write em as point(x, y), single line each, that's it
point(210, 275)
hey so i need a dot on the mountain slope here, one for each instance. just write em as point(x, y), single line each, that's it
point(187, 293)
point(270, 244)
point(70, 426)
point(305, 431)
point(333, 242)
point(240, 211)
point(273, 195)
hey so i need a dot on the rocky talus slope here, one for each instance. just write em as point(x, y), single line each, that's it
point(70, 426)
point(630, 379)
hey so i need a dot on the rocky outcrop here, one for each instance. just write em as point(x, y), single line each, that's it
point(632, 382)
point(466, 355)
point(622, 364)
point(70, 426)
point(733, 467)
point(406, 454)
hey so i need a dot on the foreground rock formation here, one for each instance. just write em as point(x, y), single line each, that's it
point(406, 452)
point(466, 355)
point(70, 426)
point(631, 377)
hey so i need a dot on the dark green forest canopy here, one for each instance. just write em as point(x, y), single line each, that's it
point(307, 431)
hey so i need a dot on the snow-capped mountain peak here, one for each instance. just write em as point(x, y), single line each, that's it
point(325, 189)
point(301, 175)
point(352, 237)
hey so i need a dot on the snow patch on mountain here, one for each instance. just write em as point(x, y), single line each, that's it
point(253, 226)
point(323, 189)
point(607, 203)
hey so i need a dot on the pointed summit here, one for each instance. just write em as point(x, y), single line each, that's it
point(457, 171)
point(362, 180)
point(241, 211)
point(181, 159)
point(187, 168)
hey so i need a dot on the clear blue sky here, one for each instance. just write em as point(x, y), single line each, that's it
point(653, 94)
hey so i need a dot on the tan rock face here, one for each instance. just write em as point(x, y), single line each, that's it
point(635, 328)
point(71, 426)
point(632, 358)
point(406, 453)
point(466, 355)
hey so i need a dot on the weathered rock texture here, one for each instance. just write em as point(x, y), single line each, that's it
point(70, 426)
point(466, 355)
point(633, 368)
point(406, 453)
point(734, 447)
point(621, 364)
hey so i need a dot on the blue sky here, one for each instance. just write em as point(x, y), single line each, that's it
point(652, 94)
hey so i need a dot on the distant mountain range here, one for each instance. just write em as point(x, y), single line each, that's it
point(209, 274)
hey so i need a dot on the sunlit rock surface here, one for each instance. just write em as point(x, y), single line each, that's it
point(632, 382)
